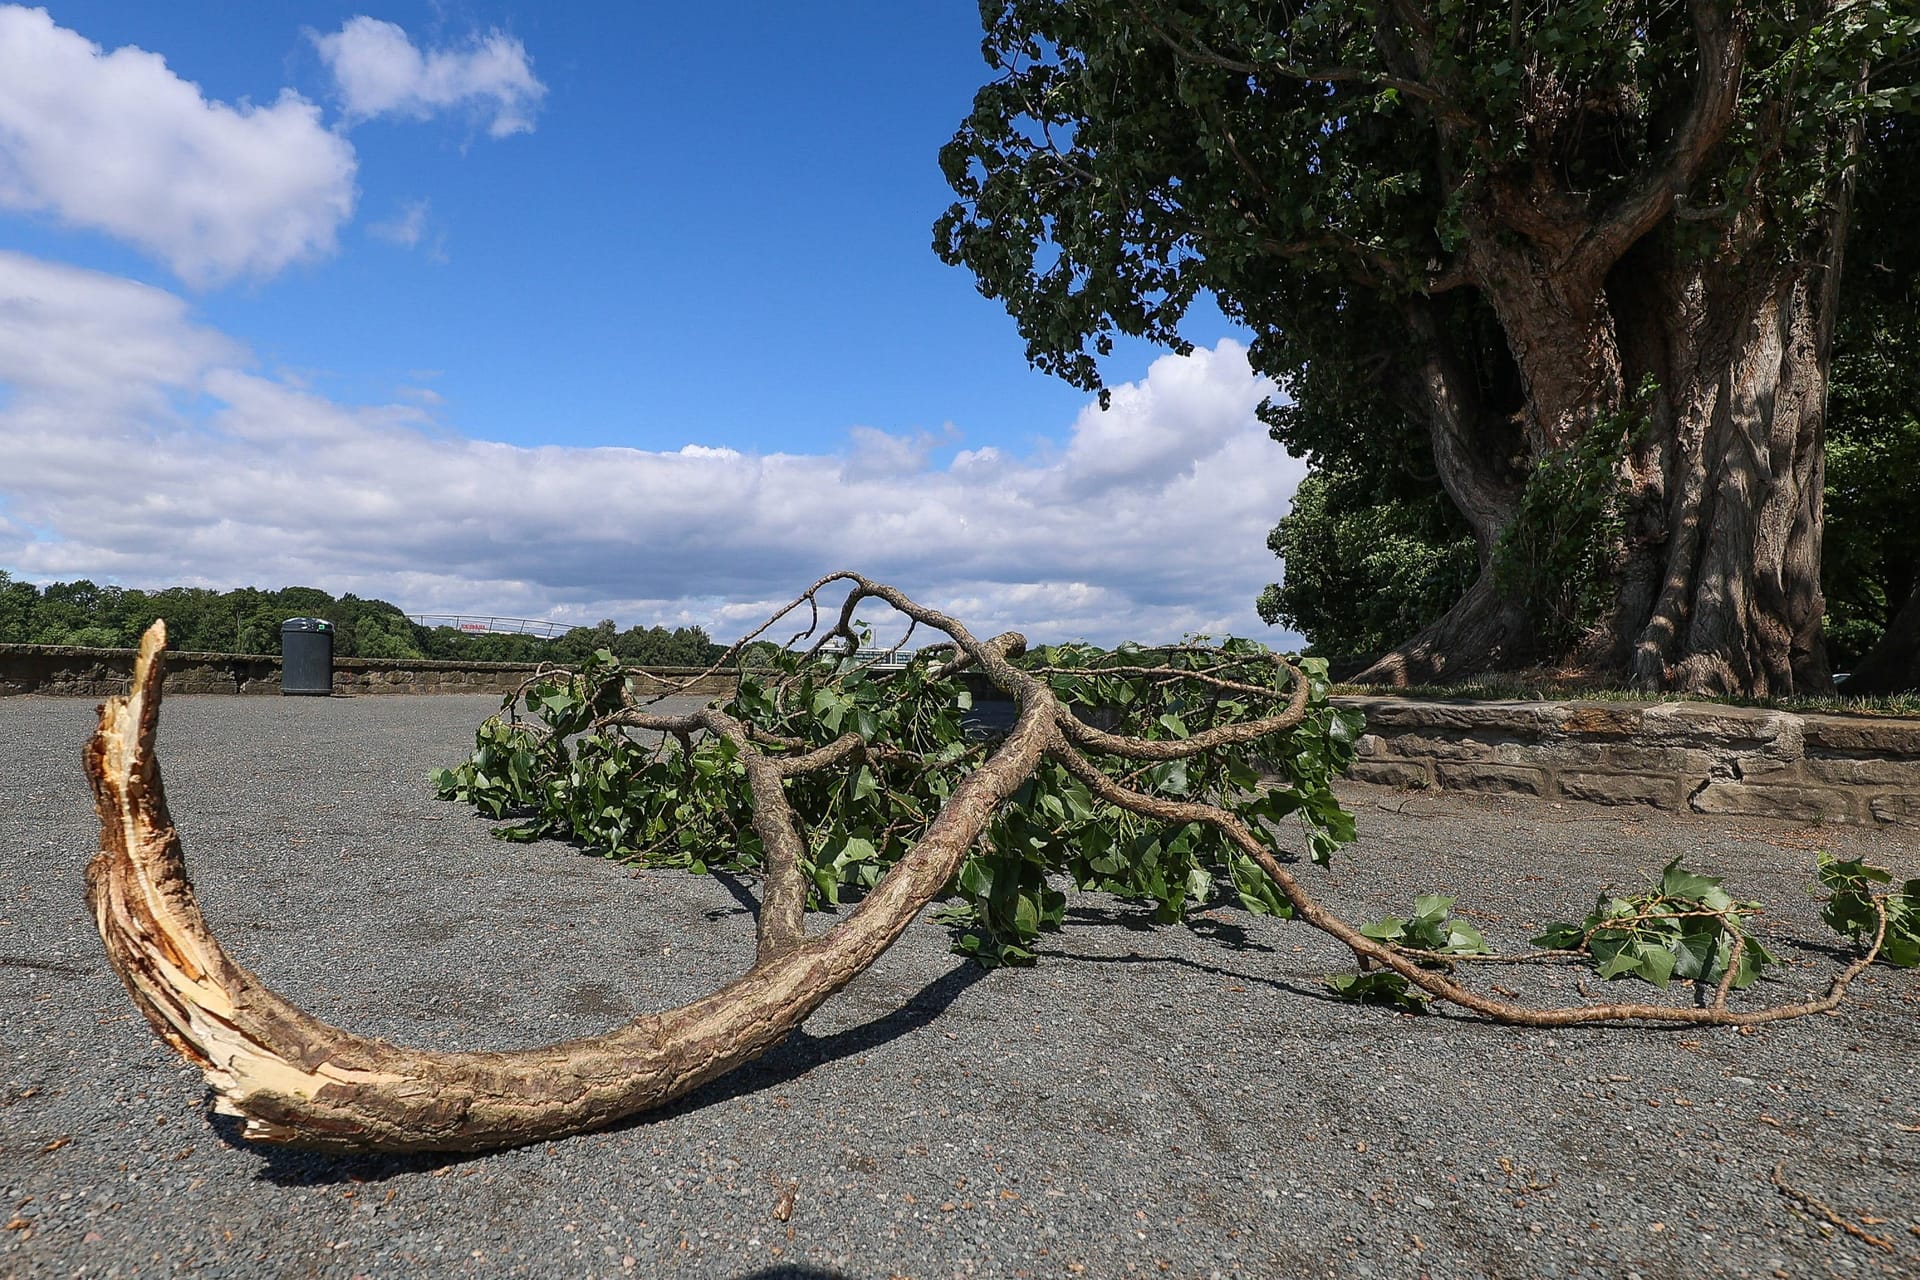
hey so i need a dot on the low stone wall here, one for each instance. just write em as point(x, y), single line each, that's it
point(1669, 755)
point(65, 671)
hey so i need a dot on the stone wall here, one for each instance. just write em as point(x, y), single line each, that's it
point(65, 671)
point(1669, 755)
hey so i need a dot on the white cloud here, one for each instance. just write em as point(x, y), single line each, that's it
point(377, 70)
point(145, 450)
point(410, 228)
point(405, 227)
point(116, 142)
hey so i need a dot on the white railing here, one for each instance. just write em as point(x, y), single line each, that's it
point(480, 624)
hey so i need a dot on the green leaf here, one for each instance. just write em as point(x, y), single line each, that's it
point(1620, 962)
point(853, 849)
point(1378, 986)
point(1656, 963)
point(976, 877)
point(1386, 929)
point(1559, 936)
point(1463, 937)
point(1678, 883)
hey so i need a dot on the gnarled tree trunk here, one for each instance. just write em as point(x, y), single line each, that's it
point(1718, 576)
point(1729, 318)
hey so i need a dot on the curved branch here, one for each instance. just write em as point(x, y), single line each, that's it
point(296, 1080)
point(1113, 744)
point(1716, 91)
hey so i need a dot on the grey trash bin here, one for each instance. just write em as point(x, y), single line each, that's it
point(306, 656)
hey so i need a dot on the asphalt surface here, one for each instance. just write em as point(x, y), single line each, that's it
point(1181, 1101)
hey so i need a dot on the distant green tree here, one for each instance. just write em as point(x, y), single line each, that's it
point(248, 620)
point(1871, 570)
point(1363, 571)
point(17, 603)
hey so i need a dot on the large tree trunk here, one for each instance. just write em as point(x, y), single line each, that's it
point(1717, 578)
point(1472, 440)
point(1729, 487)
point(1717, 587)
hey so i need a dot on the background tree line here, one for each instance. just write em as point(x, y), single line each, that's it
point(247, 620)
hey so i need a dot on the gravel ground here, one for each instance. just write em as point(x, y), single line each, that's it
point(1146, 1101)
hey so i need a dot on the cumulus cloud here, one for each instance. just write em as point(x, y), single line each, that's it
point(116, 142)
point(377, 70)
point(140, 447)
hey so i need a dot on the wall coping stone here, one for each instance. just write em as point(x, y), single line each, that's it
point(1705, 756)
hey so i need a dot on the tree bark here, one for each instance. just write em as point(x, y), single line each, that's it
point(1484, 630)
point(1742, 476)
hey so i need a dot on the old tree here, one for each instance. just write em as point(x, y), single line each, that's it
point(1590, 249)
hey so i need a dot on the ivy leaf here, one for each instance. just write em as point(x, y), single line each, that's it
point(1559, 936)
point(1378, 986)
point(1386, 929)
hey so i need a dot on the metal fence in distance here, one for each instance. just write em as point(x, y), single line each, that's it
point(479, 624)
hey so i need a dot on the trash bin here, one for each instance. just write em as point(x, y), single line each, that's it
point(306, 656)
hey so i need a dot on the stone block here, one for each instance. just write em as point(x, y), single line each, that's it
point(1711, 724)
point(1405, 774)
point(1901, 808)
point(1778, 800)
point(1520, 719)
point(1622, 788)
point(1877, 735)
point(1680, 762)
point(1601, 719)
point(1551, 753)
point(1493, 779)
point(1852, 771)
point(1757, 764)
point(1420, 746)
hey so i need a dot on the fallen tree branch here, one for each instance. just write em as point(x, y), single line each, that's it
point(295, 1079)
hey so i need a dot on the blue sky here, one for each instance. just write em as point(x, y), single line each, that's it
point(576, 311)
